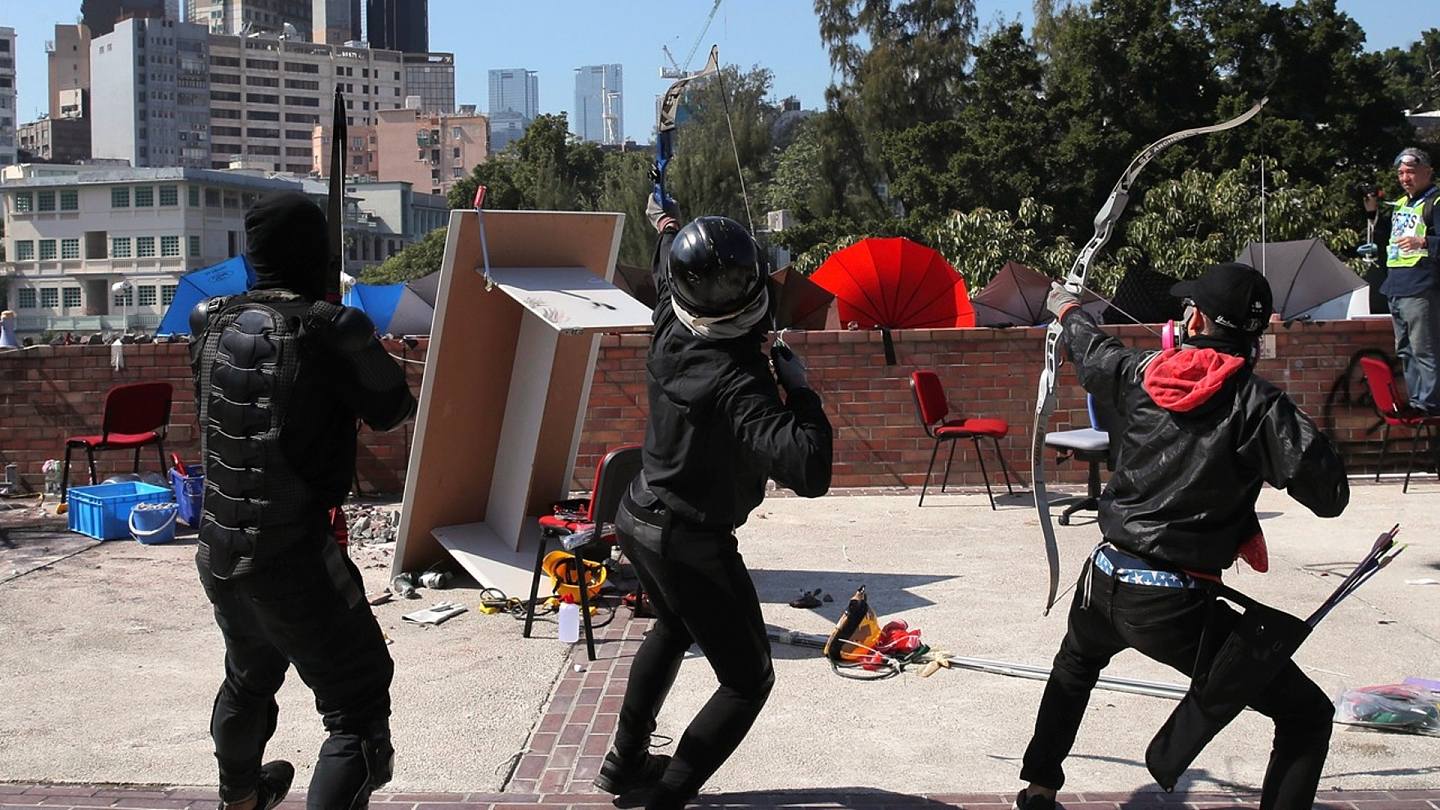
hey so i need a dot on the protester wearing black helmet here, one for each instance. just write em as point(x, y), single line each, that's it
point(717, 430)
point(1200, 434)
point(280, 378)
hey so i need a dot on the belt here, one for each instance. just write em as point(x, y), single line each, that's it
point(1140, 574)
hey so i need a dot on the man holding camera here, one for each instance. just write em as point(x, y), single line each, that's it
point(1412, 261)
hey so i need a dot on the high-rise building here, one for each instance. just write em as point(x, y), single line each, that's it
point(514, 103)
point(398, 25)
point(267, 95)
point(8, 112)
point(336, 22)
point(431, 76)
point(68, 58)
point(599, 114)
point(445, 148)
point(252, 16)
point(100, 16)
point(150, 94)
point(54, 140)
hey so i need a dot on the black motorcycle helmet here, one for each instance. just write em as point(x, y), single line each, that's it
point(715, 267)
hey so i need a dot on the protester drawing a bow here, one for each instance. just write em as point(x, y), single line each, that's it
point(281, 377)
point(1201, 433)
point(718, 428)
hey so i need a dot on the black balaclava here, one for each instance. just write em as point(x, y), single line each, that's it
point(287, 244)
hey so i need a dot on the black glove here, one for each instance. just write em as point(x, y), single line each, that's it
point(789, 368)
point(1061, 300)
point(663, 216)
point(345, 329)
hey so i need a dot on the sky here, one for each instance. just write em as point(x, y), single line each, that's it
point(554, 37)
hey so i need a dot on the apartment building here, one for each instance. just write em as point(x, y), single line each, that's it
point(429, 150)
point(59, 140)
point(431, 76)
point(336, 22)
point(72, 232)
point(359, 152)
point(267, 95)
point(8, 112)
point(252, 16)
point(150, 100)
point(67, 58)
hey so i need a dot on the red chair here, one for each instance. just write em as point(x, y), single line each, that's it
point(932, 408)
point(135, 415)
point(1381, 380)
point(586, 524)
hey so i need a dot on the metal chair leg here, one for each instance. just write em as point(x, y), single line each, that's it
point(1414, 446)
point(136, 469)
point(1384, 448)
point(933, 451)
point(1004, 467)
point(984, 472)
point(585, 605)
point(160, 447)
point(948, 460)
point(65, 475)
point(534, 587)
point(94, 474)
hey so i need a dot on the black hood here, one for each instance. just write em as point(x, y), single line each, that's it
point(288, 245)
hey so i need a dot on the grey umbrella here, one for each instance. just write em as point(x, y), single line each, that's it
point(427, 287)
point(1303, 275)
point(1016, 297)
point(413, 314)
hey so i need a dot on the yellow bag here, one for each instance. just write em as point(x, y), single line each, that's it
point(856, 634)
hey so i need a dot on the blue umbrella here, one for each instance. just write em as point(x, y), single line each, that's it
point(230, 277)
point(376, 300)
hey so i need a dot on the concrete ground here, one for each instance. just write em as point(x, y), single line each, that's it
point(110, 658)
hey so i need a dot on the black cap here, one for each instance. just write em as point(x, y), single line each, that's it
point(1232, 294)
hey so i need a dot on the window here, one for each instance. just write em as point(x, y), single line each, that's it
point(169, 195)
point(304, 101)
point(224, 95)
point(45, 201)
point(49, 297)
point(27, 298)
point(124, 299)
point(233, 132)
point(193, 192)
point(169, 246)
point(261, 115)
point(297, 135)
point(24, 202)
point(119, 247)
point(194, 246)
point(266, 98)
point(212, 198)
point(456, 153)
point(69, 248)
point(148, 296)
point(47, 250)
point(24, 250)
point(301, 84)
point(144, 196)
point(255, 132)
point(72, 297)
point(70, 200)
point(120, 197)
point(262, 81)
point(167, 294)
point(144, 247)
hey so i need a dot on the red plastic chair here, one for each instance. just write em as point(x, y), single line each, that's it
point(594, 515)
point(1380, 378)
point(932, 408)
point(135, 415)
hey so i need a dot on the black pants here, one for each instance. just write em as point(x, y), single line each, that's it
point(308, 611)
point(1166, 624)
point(702, 594)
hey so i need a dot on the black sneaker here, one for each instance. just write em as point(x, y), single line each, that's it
point(620, 775)
point(1036, 803)
point(275, 779)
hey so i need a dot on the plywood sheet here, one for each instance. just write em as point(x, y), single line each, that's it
point(573, 300)
point(471, 362)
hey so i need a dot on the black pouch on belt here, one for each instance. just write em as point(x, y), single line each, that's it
point(1240, 654)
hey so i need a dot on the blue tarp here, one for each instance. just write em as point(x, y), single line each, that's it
point(376, 300)
point(230, 277)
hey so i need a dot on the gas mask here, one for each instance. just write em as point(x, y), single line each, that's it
point(1177, 333)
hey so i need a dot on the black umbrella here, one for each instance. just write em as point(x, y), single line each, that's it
point(637, 282)
point(1144, 294)
point(800, 303)
point(1016, 297)
point(1303, 275)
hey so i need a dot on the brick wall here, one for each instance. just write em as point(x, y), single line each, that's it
point(49, 393)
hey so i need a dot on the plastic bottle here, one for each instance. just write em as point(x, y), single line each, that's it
point(569, 621)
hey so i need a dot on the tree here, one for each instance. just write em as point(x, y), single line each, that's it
point(417, 260)
point(703, 176)
point(979, 242)
point(624, 187)
point(546, 169)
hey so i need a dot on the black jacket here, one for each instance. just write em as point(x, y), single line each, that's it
point(1200, 433)
point(717, 428)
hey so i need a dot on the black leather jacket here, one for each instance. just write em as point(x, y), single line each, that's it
point(1200, 433)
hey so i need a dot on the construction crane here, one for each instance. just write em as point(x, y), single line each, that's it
point(676, 71)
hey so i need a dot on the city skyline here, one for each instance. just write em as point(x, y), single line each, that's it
point(781, 37)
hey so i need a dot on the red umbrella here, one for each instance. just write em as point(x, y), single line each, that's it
point(895, 284)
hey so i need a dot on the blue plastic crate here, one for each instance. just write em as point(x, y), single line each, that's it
point(189, 492)
point(102, 511)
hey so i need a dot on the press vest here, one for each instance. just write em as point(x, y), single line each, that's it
point(1408, 220)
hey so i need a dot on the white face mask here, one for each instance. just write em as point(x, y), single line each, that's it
point(723, 327)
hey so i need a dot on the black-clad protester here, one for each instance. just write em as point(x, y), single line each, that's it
point(281, 377)
point(718, 429)
point(1201, 433)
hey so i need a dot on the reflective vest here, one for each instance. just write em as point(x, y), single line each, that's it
point(1408, 220)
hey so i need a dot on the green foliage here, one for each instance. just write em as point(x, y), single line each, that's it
point(416, 260)
point(979, 242)
point(623, 185)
